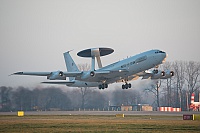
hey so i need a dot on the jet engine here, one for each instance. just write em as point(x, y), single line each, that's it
point(92, 73)
point(168, 74)
point(158, 75)
point(57, 75)
point(88, 75)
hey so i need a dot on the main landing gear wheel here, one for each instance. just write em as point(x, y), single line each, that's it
point(103, 86)
point(126, 86)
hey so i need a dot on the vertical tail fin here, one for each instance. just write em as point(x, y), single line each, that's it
point(70, 64)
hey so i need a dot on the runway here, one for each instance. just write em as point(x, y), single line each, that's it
point(102, 113)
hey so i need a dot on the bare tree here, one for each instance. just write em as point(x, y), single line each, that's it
point(168, 66)
point(5, 98)
point(84, 90)
point(192, 76)
point(96, 100)
point(126, 97)
point(22, 99)
point(75, 97)
point(179, 70)
point(155, 90)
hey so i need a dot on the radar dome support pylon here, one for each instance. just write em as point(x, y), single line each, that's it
point(95, 52)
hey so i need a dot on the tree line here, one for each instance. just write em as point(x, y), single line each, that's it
point(53, 98)
point(174, 92)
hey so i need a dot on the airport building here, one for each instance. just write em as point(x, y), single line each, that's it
point(139, 107)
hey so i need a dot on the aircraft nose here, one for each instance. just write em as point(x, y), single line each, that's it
point(164, 54)
point(164, 57)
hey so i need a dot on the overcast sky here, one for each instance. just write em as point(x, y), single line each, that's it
point(34, 34)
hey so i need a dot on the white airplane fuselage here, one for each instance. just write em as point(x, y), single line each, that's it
point(126, 68)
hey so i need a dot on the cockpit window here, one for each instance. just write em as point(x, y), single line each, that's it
point(159, 52)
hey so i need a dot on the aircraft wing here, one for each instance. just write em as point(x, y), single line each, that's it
point(72, 74)
point(56, 75)
point(110, 72)
point(67, 74)
point(32, 73)
point(110, 76)
point(152, 74)
point(145, 74)
point(121, 70)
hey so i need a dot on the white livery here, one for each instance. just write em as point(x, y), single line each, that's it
point(122, 71)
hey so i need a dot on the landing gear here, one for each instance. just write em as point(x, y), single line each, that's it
point(126, 86)
point(103, 86)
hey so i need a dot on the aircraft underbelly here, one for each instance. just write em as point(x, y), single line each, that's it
point(84, 84)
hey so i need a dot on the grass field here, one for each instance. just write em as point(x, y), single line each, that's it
point(87, 123)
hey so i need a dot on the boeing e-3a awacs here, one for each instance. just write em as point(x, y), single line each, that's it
point(122, 71)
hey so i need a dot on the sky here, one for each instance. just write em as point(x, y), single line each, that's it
point(34, 34)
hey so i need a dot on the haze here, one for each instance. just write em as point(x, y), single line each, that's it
point(35, 34)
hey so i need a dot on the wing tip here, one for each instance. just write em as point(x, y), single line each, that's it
point(42, 82)
point(18, 73)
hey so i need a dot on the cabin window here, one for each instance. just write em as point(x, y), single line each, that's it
point(123, 66)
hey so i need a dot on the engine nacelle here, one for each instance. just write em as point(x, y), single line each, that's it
point(57, 75)
point(158, 75)
point(168, 74)
point(87, 75)
point(92, 73)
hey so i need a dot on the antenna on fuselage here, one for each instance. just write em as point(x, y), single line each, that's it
point(95, 52)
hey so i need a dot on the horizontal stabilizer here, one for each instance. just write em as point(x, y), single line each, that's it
point(68, 83)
